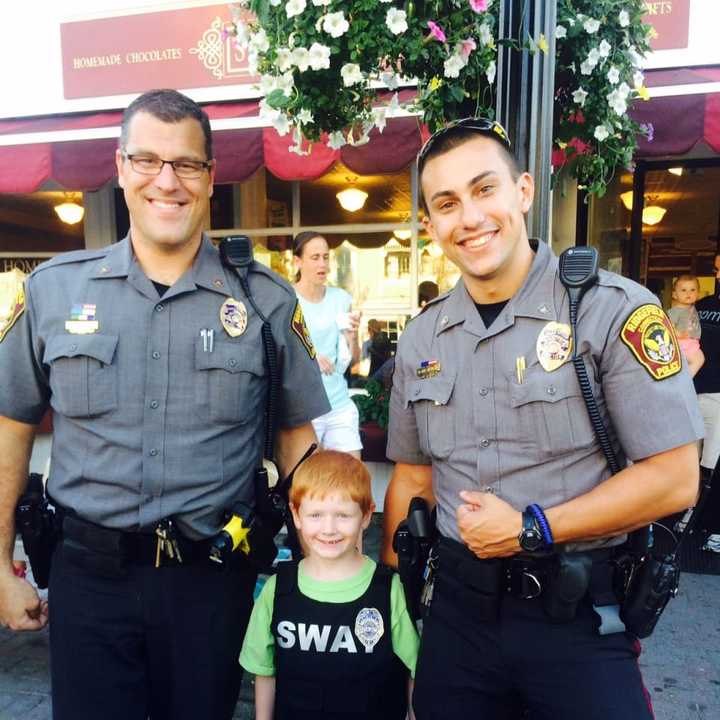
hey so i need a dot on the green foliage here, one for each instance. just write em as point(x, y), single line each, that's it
point(375, 406)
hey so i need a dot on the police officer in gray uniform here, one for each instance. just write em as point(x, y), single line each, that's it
point(150, 355)
point(487, 420)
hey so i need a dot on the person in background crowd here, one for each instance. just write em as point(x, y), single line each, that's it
point(331, 637)
point(377, 347)
point(684, 318)
point(333, 329)
point(487, 420)
point(707, 383)
point(150, 355)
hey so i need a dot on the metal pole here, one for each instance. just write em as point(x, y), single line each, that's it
point(525, 97)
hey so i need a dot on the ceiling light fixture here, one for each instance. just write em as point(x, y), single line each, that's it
point(402, 233)
point(351, 199)
point(676, 171)
point(651, 215)
point(70, 212)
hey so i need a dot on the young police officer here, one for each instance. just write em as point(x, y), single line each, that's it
point(488, 419)
point(150, 355)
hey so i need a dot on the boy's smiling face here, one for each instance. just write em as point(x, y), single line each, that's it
point(331, 526)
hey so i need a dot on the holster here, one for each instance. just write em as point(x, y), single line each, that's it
point(566, 585)
point(37, 524)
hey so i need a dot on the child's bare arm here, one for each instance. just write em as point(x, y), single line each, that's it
point(695, 362)
point(264, 697)
point(411, 712)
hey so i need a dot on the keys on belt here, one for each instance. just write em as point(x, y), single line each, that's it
point(167, 542)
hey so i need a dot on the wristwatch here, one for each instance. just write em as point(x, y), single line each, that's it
point(530, 537)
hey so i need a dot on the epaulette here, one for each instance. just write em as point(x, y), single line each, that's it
point(75, 256)
point(434, 301)
point(260, 269)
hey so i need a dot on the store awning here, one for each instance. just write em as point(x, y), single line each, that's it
point(681, 114)
point(36, 150)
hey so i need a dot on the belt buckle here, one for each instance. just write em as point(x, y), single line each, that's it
point(523, 582)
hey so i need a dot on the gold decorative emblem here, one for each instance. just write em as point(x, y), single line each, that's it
point(12, 299)
point(298, 326)
point(219, 54)
point(553, 345)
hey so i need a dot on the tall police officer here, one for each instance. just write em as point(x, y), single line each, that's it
point(487, 418)
point(151, 358)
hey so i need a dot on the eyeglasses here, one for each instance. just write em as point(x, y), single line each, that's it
point(481, 125)
point(150, 165)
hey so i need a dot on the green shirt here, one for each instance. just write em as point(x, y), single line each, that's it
point(258, 651)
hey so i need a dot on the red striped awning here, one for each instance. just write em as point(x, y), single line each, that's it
point(90, 163)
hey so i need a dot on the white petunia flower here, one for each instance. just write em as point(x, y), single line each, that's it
point(638, 78)
point(286, 83)
point(560, 32)
point(396, 20)
point(635, 57)
point(579, 97)
point(452, 66)
point(624, 18)
point(490, 72)
point(267, 84)
point(335, 24)
point(304, 117)
point(591, 26)
point(624, 89)
point(613, 75)
point(295, 7)
point(275, 3)
point(605, 48)
point(283, 60)
point(259, 41)
point(242, 33)
point(301, 58)
point(617, 102)
point(593, 57)
point(485, 34)
point(321, 3)
point(351, 74)
point(253, 61)
point(319, 56)
point(265, 112)
point(601, 133)
point(297, 148)
point(586, 68)
point(379, 117)
point(281, 124)
point(336, 140)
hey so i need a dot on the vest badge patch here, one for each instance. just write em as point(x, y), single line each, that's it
point(369, 628)
point(300, 329)
point(651, 338)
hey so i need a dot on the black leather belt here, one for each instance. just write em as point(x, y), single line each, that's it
point(520, 576)
point(135, 548)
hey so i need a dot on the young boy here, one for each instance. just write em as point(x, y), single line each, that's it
point(684, 317)
point(330, 637)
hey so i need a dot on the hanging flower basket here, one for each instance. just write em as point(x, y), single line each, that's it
point(325, 68)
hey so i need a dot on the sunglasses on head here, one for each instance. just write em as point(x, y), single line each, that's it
point(481, 125)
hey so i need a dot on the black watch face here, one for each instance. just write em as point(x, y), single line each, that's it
point(531, 540)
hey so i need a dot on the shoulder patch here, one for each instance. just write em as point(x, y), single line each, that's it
point(300, 329)
point(651, 339)
point(15, 308)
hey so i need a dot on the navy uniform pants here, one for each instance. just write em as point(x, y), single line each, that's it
point(160, 642)
point(522, 662)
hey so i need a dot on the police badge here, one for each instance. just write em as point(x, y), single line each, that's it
point(369, 628)
point(233, 317)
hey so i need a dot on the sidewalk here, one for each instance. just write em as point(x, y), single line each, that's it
point(680, 662)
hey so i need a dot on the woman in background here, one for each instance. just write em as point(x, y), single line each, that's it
point(334, 331)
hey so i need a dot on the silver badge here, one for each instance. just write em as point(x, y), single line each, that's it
point(233, 317)
point(369, 628)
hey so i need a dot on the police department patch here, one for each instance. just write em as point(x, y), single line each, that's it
point(651, 338)
point(300, 329)
point(13, 309)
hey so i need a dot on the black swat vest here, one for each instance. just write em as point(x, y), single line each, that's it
point(323, 670)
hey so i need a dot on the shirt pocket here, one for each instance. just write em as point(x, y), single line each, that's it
point(83, 374)
point(551, 413)
point(231, 380)
point(435, 417)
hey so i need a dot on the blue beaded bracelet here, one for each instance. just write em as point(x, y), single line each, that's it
point(542, 521)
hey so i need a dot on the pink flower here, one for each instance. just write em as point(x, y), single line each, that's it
point(479, 5)
point(466, 47)
point(436, 31)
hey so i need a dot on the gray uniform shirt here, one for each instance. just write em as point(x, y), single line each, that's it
point(529, 441)
point(148, 423)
